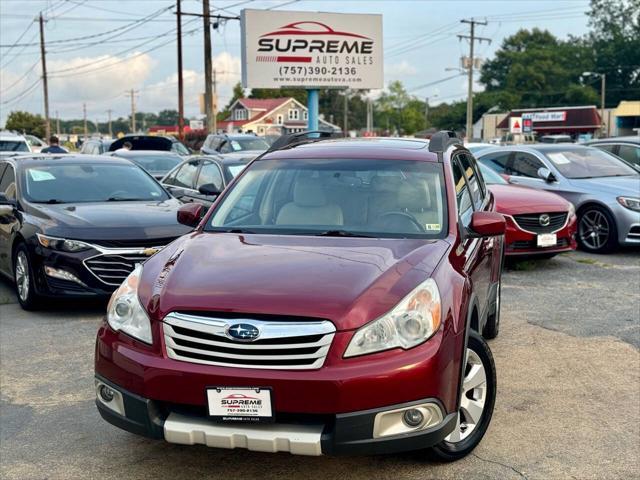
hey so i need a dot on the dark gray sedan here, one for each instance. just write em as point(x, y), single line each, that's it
point(604, 189)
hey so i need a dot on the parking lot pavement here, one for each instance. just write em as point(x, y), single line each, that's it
point(568, 393)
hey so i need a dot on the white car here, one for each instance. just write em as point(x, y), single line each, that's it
point(35, 143)
point(11, 142)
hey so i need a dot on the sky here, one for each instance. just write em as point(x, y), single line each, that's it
point(420, 43)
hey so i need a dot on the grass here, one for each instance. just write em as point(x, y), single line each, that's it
point(587, 261)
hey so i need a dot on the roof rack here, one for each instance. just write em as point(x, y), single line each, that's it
point(442, 140)
point(295, 139)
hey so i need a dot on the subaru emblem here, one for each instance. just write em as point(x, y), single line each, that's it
point(544, 220)
point(243, 331)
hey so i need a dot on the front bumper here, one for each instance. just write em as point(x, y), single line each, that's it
point(350, 433)
point(522, 242)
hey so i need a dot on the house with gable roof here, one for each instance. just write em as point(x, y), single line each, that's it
point(270, 116)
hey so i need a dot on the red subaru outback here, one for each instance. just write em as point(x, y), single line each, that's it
point(333, 300)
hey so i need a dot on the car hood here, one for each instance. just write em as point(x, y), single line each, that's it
point(112, 221)
point(628, 185)
point(347, 280)
point(514, 200)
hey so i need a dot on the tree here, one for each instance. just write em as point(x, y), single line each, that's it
point(25, 122)
point(167, 117)
point(615, 42)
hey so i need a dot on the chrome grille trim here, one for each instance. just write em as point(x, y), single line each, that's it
point(530, 222)
point(108, 267)
point(286, 345)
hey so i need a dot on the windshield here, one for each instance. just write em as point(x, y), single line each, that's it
point(335, 197)
point(491, 177)
point(588, 163)
point(13, 146)
point(156, 164)
point(240, 144)
point(234, 170)
point(89, 183)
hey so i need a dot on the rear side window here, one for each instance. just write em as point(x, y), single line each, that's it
point(185, 177)
point(497, 161)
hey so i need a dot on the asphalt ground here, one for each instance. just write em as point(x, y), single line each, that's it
point(568, 403)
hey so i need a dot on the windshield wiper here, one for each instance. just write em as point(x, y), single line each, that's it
point(342, 233)
point(234, 230)
point(51, 201)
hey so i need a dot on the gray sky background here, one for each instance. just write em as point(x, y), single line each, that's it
point(419, 42)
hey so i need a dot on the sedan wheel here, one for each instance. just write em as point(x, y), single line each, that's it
point(22, 276)
point(474, 395)
point(596, 230)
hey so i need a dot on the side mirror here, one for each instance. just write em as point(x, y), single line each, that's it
point(209, 189)
point(546, 175)
point(486, 224)
point(190, 214)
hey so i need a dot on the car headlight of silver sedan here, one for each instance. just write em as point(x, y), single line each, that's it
point(125, 311)
point(414, 320)
point(630, 203)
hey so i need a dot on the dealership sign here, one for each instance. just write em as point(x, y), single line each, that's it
point(311, 50)
point(546, 116)
point(515, 124)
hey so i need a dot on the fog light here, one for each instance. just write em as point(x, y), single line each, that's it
point(412, 417)
point(106, 393)
point(62, 275)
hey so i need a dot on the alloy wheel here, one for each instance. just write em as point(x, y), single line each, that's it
point(474, 394)
point(594, 229)
point(22, 276)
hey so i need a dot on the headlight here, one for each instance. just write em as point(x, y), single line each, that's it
point(572, 210)
point(125, 312)
point(411, 322)
point(630, 203)
point(62, 244)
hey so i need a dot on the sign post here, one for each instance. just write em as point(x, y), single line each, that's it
point(312, 106)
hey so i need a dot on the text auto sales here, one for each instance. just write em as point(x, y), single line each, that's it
point(362, 48)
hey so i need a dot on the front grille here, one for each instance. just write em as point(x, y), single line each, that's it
point(281, 345)
point(531, 222)
point(634, 232)
point(113, 268)
point(149, 242)
point(532, 244)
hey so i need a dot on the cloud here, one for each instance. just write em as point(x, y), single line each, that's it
point(400, 70)
point(106, 76)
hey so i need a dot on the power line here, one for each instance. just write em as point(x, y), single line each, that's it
point(442, 80)
point(21, 95)
point(23, 76)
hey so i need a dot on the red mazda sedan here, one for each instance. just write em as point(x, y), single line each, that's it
point(332, 301)
point(539, 223)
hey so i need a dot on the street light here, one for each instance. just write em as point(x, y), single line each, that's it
point(602, 96)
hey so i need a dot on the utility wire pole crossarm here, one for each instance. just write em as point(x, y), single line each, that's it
point(472, 39)
point(180, 79)
point(132, 93)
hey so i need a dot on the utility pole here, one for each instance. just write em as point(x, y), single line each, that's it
point(47, 126)
point(84, 116)
point(602, 97)
point(109, 121)
point(472, 39)
point(215, 103)
point(57, 124)
point(180, 80)
point(426, 112)
point(132, 93)
point(208, 98)
point(369, 115)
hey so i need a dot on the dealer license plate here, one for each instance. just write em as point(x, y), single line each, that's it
point(240, 404)
point(547, 240)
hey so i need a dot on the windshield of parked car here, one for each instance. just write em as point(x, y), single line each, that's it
point(77, 183)
point(250, 143)
point(156, 163)
point(336, 197)
point(588, 162)
point(491, 177)
point(234, 170)
point(13, 146)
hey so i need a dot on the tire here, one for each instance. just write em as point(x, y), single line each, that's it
point(597, 231)
point(24, 279)
point(492, 327)
point(467, 435)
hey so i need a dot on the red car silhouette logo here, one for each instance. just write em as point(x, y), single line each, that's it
point(310, 28)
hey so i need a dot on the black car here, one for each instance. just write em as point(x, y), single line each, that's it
point(156, 162)
point(238, 146)
point(201, 178)
point(150, 142)
point(627, 148)
point(96, 146)
point(78, 225)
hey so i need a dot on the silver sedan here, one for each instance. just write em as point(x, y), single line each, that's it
point(604, 189)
